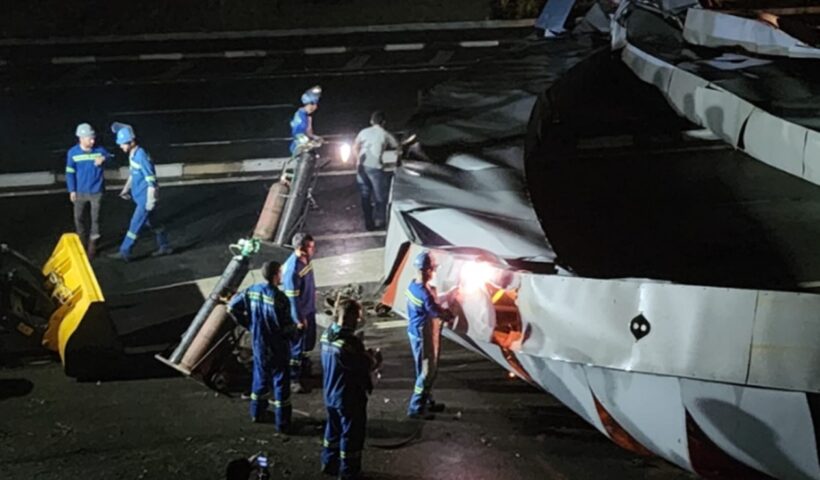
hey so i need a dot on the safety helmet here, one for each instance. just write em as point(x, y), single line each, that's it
point(424, 261)
point(85, 130)
point(124, 132)
point(312, 95)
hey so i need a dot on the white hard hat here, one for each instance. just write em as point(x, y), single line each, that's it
point(85, 130)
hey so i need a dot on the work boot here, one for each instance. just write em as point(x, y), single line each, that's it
point(424, 415)
point(435, 407)
point(162, 252)
point(119, 256)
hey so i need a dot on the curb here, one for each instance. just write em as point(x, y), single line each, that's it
point(301, 32)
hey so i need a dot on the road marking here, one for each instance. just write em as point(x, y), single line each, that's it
point(303, 32)
point(442, 57)
point(389, 324)
point(479, 43)
point(160, 56)
point(211, 143)
point(401, 47)
point(235, 108)
point(71, 60)
point(356, 62)
point(324, 50)
point(245, 53)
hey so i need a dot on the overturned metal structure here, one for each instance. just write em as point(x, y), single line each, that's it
point(627, 217)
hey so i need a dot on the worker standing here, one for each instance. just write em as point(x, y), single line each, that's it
point(301, 126)
point(347, 382)
point(425, 317)
point(262, 308)
point(85, 180)
point(143, 188)
point(372, 178)
point(300, 288)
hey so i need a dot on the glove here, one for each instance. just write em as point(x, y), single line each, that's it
point(151, 201)
point(125, 195)
point(72, 196)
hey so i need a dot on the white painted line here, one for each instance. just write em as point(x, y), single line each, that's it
point(160, 56)
point(305, 32)
point(400, 47)
point(348, 236)
point(245, 53)
point(73, 60)
point(201, 144)
point(336, 173)
point(389, 324)
point(27, 179)
point(169, 170)
point(263, 164)
point(479, 43)
point(814, 284)
point(324, 50)
point(235, 108)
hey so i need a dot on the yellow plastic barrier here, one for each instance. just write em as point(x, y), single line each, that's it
point(80, 329)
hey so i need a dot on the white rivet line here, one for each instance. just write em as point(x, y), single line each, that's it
point(400, 47)
point(479, 44)
point(324, 50)
point(161, 56)
point(72, 60)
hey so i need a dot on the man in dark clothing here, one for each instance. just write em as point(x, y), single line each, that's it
point(262, 308)
point(347, 382)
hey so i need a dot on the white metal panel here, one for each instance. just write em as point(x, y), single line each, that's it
point(681, 93)
point(786, 341)
point(776, 142)
point(811, 158)
point(648, 68)
point(722, 113)
point(649, 407)
point(769, 430)
point(568, 383)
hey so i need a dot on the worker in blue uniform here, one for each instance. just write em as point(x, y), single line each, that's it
point(300, 289)
point(263, 309)
point(301, 126)
point(425, 317)
point(143, 188)
point(85, 181)
point(347, 382)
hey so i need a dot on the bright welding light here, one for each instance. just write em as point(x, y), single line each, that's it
point(475, 275)
point(344, 152)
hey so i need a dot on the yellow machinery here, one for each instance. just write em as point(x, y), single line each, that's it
point(62, 304)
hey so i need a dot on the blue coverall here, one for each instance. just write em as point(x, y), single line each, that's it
point(346, 384)
point(298, 127)
point(264, 310)
point(84, 178)
point(142, 177)
point(300, 289)
point(425, 338)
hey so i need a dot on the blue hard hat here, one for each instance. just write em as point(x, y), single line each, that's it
point(312, 95)
point(124, 132)
point(424, 261)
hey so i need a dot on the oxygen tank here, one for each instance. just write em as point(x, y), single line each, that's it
point(271, 211)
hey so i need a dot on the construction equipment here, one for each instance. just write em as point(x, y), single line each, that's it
point(60, 307)
point(271, 211)
point(210, 338)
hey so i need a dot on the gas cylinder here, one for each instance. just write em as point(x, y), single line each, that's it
point(271, 211)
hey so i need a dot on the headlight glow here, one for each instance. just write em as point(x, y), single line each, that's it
point(344, 152)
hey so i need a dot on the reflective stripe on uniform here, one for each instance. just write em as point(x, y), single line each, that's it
point(418, 390)
point(295, 362)
point(86, 157)
point(497, 296)
point(135, 165)
point(150, 178)
point(328, 444)
point(70, 170)
point(279, 404)
point(308, 268)
point(131, 235)
point(356, 454)
point(338, 343)
point(292, 293)
point(413, 299)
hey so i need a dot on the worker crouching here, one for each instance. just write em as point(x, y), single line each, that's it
point(347, 382)
point(263, 309)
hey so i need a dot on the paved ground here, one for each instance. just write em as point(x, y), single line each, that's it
point(156, 428)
